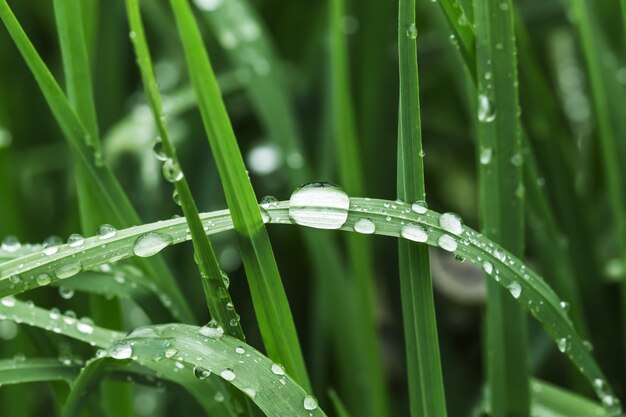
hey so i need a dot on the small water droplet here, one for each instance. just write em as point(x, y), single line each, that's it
point(75, 240)
point(159, 150)
point(240, 350)
point(120, 350)
point(564, 305)
point(488, 267)
point(10, 244)
point(320, 205)
point(517, 159)
point(310, 403)
point(364, 226)
point(485, 155)
point(278, 369)
point(106, 231)
point(515, 289)
point(414, 232)
point(486, 110)
point(212, 330)
point(447, 242)
point(43, 279)
point(172, 171)
point(200, 372)
point(411, 31)
point(250, 392)
point(66, 292)
point(563, 344)
point(176, 198)
point(228, 374)
point(151, 243)
point(84, 327)
point(8, 301)
point(451, 223)
point(420, 207)
point(68, 270)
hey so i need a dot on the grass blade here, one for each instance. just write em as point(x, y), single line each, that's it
point(270, 301)
point(501, 200)
point(418, 306)
point(13, 371)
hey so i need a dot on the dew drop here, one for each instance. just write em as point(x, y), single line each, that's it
point(83, 327)
point(106, 231)
point(159, 150)
point(75, 240)
point(414, 232)
point(564, 305)
point(447, 242)
point(228, 374)
point(264, 159)
point(208, 5)
point(310, 403)
point(420, 207)
point(563, 344)
point(121, 350)
point(151, 243)
point(66, 292)
point(200, 372)
point(485, 156)
point(240, 350)
point(488, 267)
point(15, 279)
point(250, 392)
point(43, 279)
point(364, 226)
point(411, 31)
point(172, 171)
point(451, 223)
point(8, 301)
point(320, 205)
point(278, 369)
point(68, 270)
point(212, 330)
point(10, 244)
point(486, 110)
point(515, 289)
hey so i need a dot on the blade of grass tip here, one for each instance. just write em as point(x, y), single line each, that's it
point(373, 401)
point(270, 301)
point(501, 201)
point(116, 397)
point(216, 293)
point(588, 31)
point(103, 184)
point(426, 392)
point(340, 408)
point(551, 401)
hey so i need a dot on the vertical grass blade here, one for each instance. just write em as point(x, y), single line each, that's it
point(426, 391)
point(501, 200)
point(374, 400)
point(270, 301)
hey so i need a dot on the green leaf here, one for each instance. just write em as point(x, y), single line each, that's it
point(20, 371)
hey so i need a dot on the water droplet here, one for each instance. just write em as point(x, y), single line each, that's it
point(208, 5)
point(265, 158)
point(120, 350)
point(515, 289)
point(43, 279)
point(414, 232)
point(8, 301)
point(411, 31)
point(420, 207)
point(563, 344)
point(10, 244)
point(84, 327)
point(68, 270)
point(240, 350)
point(447, 242)
point(488, 267)
point(66, 292)
point(265, 216)
point(564, 305)
point(176, 198)
point(320, 205)
point(212, 330)
point(151, 243)
point(451, 222)
point(269, 201)
point(310, 403)
point(228, 374)
point(219, 396)
point(200, 372)
point(106, 231)
point(170, 352)
point(50, 250)
point(485, 155)
point(278, 369)
point(517, 159)
point(486, 110)
point(159, 150)
point(75, 240)
point(172, 171)
point(15, 279)
point(364, 226)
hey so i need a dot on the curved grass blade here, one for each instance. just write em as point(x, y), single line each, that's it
point(270, 301)
point(551, 401)
point(14, 371)
point(216, 293)
point(104, 186)
point(426, 393)
point(531, 290)
point(501, 201)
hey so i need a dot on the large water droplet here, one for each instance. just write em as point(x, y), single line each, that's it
point(172, 171)
point(68, 270)
point(320, 205)
point(200, 372)
point(120, 350)
point(486, 109)
point(106, 231)
point(10, 244)
point(452, 223)
point(151, 243)
point(8, 301)
point(228, 374)
point(75, 240)
point(364, 226)
point(414, 232)
point(411, 31)
point(277, 369)
point(310, 403)
point(212, 329)
point(515, 289)
point(447, 242)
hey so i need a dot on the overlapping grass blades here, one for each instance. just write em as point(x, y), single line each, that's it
point(426, 392)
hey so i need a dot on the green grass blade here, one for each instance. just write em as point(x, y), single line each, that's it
point(426, 391)
point(270, 301)
point(104, 185)
point(551, 401)
point(373, 399)
point(340, 408)
point(501, 201)
point(216, 293)
point(14, 371)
